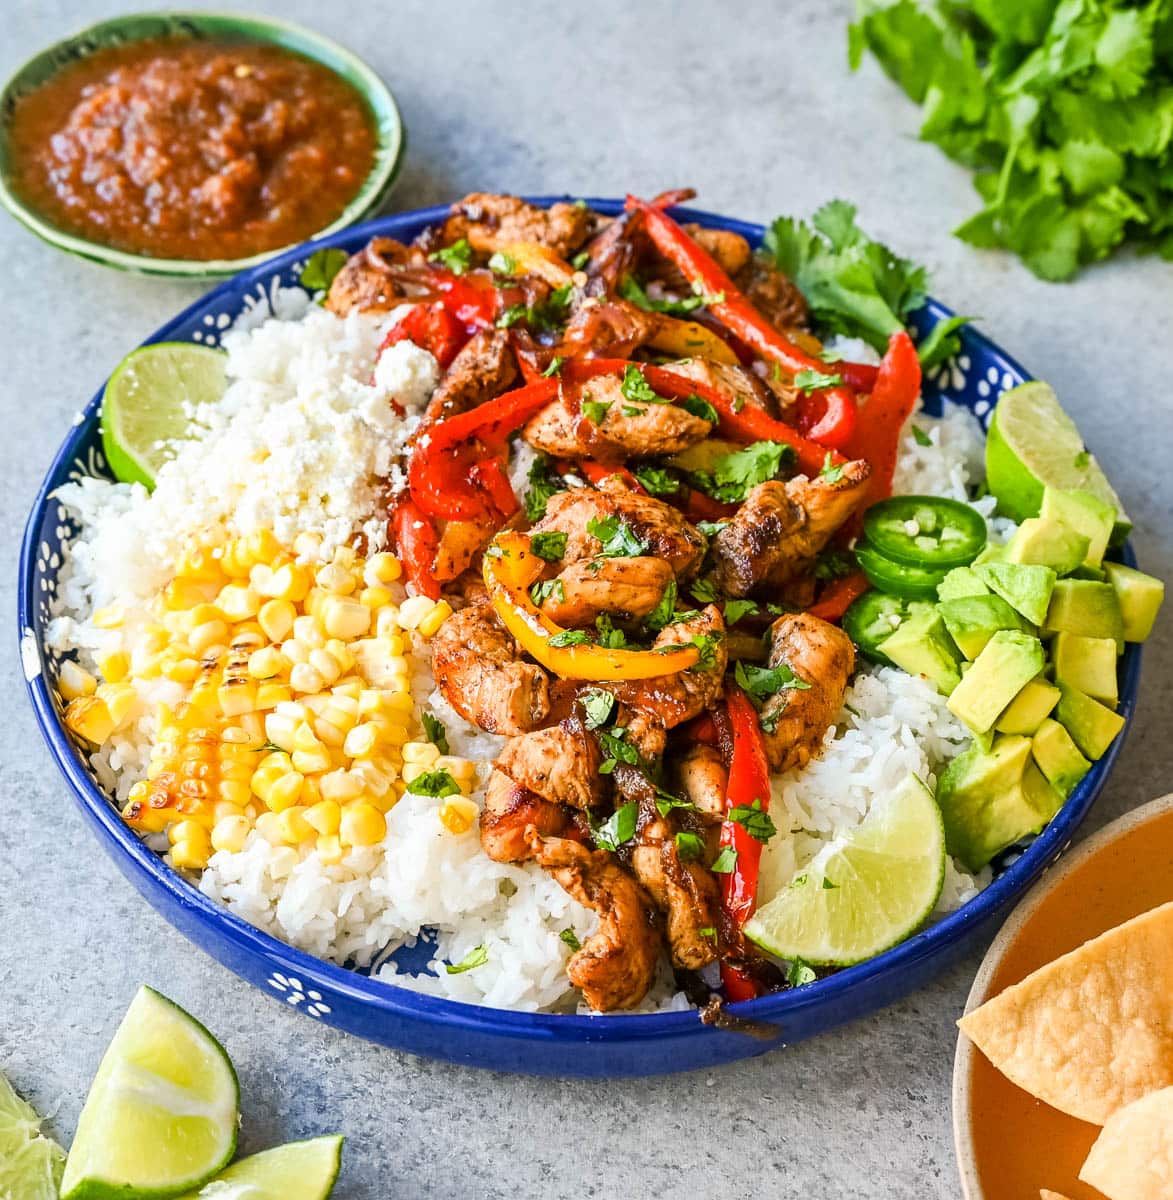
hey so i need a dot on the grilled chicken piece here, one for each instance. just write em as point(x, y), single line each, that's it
point(627, 589)
point(626, 430)
point(483, 369)
point(366, 282)
point(777, 533)
point(616, 964)
point(774, 295)
point(490, 222)
point(703, 779)
point(730, 249)
point(823, 656)
point(665, 532)
point(611, 328)
point(512, 815)
point(560, 764)
point(670, 700)
point(475, 662)
point(739, 385)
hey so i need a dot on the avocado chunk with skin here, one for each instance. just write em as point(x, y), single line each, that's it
point(973, 620)
point(1085, 607)
point(1058, 757)
point(1048, 543)
point(1140, 597)
point(961, 581)
point(922, 646)
point(1029, 709)
point(1026, 587)
point(990, 800)
point(1010, 660)
point(1093, 726)
point(1086, 664)
point(1085, 513)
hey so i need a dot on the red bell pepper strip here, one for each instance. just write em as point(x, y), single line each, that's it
point(749, 781)
point(489, 475)
point(595, 472)
point(699, 507)
point(432, 327)
point(838, 595)
point(416, 544)
point(469, 299)
point(827, 419)
point(859, 376)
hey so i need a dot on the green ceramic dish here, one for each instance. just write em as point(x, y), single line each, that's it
point(391, 137)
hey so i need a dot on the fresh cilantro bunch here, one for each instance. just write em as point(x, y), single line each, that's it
point(1063, 107)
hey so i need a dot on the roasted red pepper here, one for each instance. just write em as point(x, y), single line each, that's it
point(471, 299)
point(489, 475)
point(827, 418)
point(432, 327)
point(837, 596)
point(595, 472)
point(416, 544)
point(859, 376)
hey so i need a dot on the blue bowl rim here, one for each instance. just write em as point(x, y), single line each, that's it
point(396, 1002)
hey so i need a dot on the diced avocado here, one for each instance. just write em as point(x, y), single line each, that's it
point(922, 646)
point(1009, 662)
point(1048, 543)
point(1086, 664)
point(1058, 757)
point(973, 620)
point(990, 800)
point(1024, 586)
point(1029, 709)
point(961, 581)
point(1093, 726)
point(1139, 596)
point(1085, 607)
point(1098, 574)
point(1085, 513)
point(992, 553)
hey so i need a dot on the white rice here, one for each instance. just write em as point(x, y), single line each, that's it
point(300, 442)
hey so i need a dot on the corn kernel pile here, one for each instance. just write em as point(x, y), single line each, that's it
point(297, 719)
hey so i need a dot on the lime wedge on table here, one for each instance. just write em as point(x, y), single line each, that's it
point(1034, 444)
point(161, 1115)
point(298, 1171)
point(864, 892)
point(30, 1163)
point(148, 401)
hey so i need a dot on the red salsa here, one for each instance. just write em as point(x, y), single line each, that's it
point(180, 148)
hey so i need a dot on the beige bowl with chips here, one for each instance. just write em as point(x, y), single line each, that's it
point(1008, 1143)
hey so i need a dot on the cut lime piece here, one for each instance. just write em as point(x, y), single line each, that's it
point(30, 1162)
point(297, 1171)
point(1034, 444)
point(863, 892)
point(148, 403)
point(161, 1115)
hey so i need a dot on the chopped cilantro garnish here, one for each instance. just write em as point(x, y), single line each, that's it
point(503, 264)
point(711, 528)
point(550, 546)
point(434, 783)
point(555, 367)
point(734, 474)
point(706, 645)
point(320, 269)
point(571, 938)
point(596, 411)
point(618, 828)
point(580, 260)
point(598, 704)
point(799, 973)
point(617, 749)
point(457, 257)
point(631, 410)
point(828, 886)
point(942, 342)
point(632, 291)
point(618, 538)
point(661, 615)
point(666, 802)
point(700, 408)
point(608, 636)
point(809, 380)
point(569, 637)
point(543, 483)
point(922, 438)
point(725, 861)
point(436, 732)
point(541, 591)
point(637, 389)
point(474, 958)
point(831, 471)
point(754, 820)
point(708, 932)
point(689, 846)
point(833, 564)
point(736, 609)
point(1082, 459)
point(703, 591)
point(511, 316)
point(760, 683)
point(658, 481)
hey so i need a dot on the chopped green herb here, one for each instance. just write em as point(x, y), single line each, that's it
point(637, 389)
point(457, 257)
point(703, 591)
point(619, 828)
point(922, 438)
point(550, 546)
point(831, 471)
point(658, 481)
point(473, 959)
point(632, 291)
point(617, 749)
point(689, 846)
point(760, 683)
point(569, 637)
point(706, 645)
point(503, 264)
point(700, 408)
point(608, 636)
point(725, 861)
point(736, 609)
point(598, 704)
point(809, 380)
point(828, 886)
point(711, 528)
point(320, 269)
point(434, 783)
point(734, 474)
point(541, 591)
point(666, 802)
point(754, 820)
point(941, 343)
point(543, 483)
point(832, 563)
point(511, 316)
point(618, 538)
point(708, 932)
point(800, 973)
point(630, 410)
point(1082, 459)
point(571, 938)
point(580, 260)
point(436, 732)
point(596, 411)
point(661, 615)
point(555, 367)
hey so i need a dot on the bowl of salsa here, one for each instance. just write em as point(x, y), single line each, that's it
point(194, 144)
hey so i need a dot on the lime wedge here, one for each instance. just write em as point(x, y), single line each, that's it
point(1034, 444)
point(297, 1171)
point(30, 1163)
point(161, 1115)
point(864, 891)
point(148, 402)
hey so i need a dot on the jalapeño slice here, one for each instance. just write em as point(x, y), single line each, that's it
point(872, 618)
point(926, 531)
point(899, 579)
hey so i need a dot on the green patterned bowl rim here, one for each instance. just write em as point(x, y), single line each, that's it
point(133, 27)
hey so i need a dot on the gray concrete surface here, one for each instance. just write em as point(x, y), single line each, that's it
point(753, 105)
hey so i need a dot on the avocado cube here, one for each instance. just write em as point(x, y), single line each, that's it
point(1029, 709)
point(1086, 664)
point(1085, 513)
point(1085, 607)
point(961, 581)
point(973, 620)
point(922, 646)
point(1093, 726)
point(1096, 574)
point(1010, 660)
point(994, 552)
point(1139, 596)
point(1058, 757)
point(1026, 587)
point(991, 799)
point(1048, 543)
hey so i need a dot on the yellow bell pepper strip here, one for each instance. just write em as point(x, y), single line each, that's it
point(509, 570)
point(532, 258)
point(690, 339)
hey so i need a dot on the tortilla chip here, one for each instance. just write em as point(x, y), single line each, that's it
point(1133, 1156)
point(1093, 1030)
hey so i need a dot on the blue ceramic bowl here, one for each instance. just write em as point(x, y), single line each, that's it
point(536, 1043)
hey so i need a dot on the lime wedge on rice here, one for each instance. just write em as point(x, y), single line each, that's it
point(148, 403)
point(297, 1171)
point(1034, 444)
point(30, 1163)
point(162, 1111)
point(863, 892)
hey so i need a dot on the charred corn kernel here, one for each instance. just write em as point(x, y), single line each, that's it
point(308, 545)
point(246, 638)
point(420, 752)
point(204, 636)
point(361, 740)
point(413, 610)
point(267, 663)
point(362, 824)
point(231, 832)
point(293, 826)
point(387, 621)
point(382, 568)
point(192, 854)
point(276, 619)
point(115, 666)
point(138, 814)
point(329, 850)
point(375, 597)
point(74, 681)
point(294, 651)
point(304, 678)
point(324, 817)
point(268, 826)
point(335, 578)
point(109, 617)
point(457, 814)
point(308, 630)
point(237, 696)
point(435, 618)
point(269, 695)
point(238, 602)
point(89, 718)
point(120, 699)
point(345, 618)
point(340, 787)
